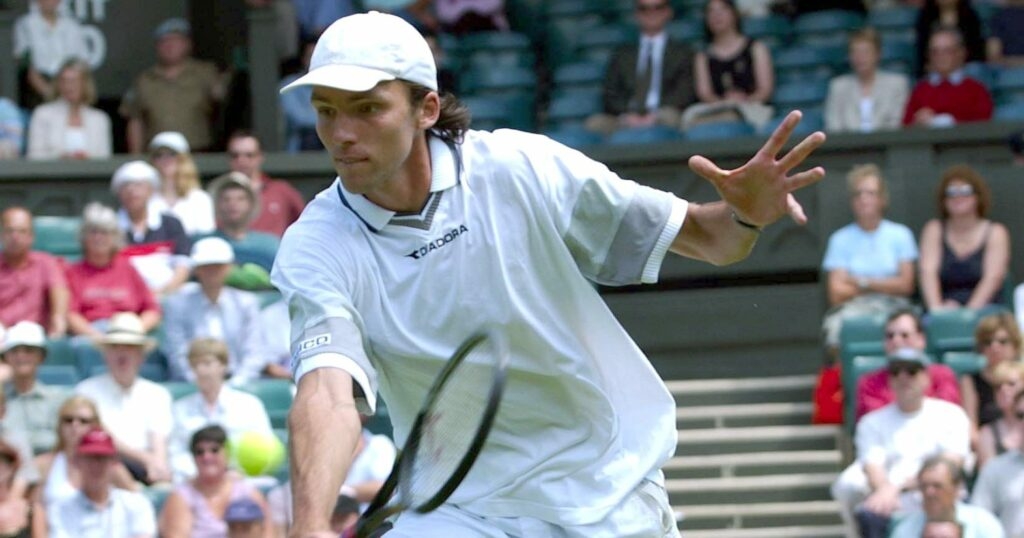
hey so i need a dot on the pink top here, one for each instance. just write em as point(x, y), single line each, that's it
point(100, 292)
point(873, 389)
point(25, 292)
point(206, 524)
point(280, 206)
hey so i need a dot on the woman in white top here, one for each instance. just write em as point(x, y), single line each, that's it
point(68, 127)
point(61, 479)
point(180, 193)
point(215, 403)
point(867, 99)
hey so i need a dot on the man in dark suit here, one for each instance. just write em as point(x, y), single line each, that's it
point(648, 82)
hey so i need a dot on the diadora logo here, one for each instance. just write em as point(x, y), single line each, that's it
point(438, 243)
point(315, 342)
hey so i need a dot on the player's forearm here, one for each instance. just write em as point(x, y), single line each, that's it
point(711, 234)
point(324, 428)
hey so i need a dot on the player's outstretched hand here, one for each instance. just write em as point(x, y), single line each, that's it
point(760, 191)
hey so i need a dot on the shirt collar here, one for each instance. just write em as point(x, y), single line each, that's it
point(154, 216)
point(444, 170)
point(954, 78)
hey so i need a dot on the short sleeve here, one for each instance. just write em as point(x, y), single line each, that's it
point(617, 230)
point(906, 246)
point(869, 444)
point(834, 253)
point(55, 273)
point(161, 416)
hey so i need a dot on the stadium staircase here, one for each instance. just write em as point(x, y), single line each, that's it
point(749, 463)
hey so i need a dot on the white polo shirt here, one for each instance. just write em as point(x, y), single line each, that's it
point(130, 414)
point(515, 230)
point(126, 514)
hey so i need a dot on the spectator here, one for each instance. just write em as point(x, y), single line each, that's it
point(99, 508)
point(314, 16)
point(1005, 45)
point(215, 403)
point(946, 96)
point(459, 17)
point(868, 99)
point(299, 115)
point(1003, 433)
point(280, 203)
point(12, 130)
point(870, 262)
point(941, 480)
point(179, 193)
point(999, 340)
point(936, 15)
point(28, 474)
point(648, 82)
point(19, 517)
point(31, 405)
point(137, 411)
point(197, 508)
point(903, 330)
point(999, 487)
point(892, 443)
point(1017, 147)
point(179, 93)
point(214, 310)
point(69, 127)
point(278, 342)
point(32, 283)
point(156, 242)
point(964, 256)
point(735, 77)
point(103, 283)
point(236, 205)
point(245, 519)
point(62, 476)
point(45, 38)
point(287, 28)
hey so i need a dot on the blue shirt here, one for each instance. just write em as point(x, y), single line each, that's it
point(977, 523)
point(874, 254)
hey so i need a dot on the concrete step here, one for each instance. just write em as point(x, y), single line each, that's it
point(690, 492)
point(757, 439)
point(734, 516)
point(700, 392)
point(819, 531)
point(754, 464)
point(742, 415)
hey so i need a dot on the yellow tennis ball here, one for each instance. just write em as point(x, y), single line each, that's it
point(258, 453)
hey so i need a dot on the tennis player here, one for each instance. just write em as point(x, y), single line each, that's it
point(431, 230)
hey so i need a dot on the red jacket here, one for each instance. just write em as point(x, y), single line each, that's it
point(966, 99)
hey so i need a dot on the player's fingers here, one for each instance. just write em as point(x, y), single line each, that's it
point(805, 178)
point(797, 155)
point(796, 211)
point(703, 167)
point(781, 134)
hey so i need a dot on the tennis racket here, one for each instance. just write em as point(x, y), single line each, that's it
point(449, 431)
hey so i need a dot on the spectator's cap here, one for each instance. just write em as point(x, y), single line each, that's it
point(23, 333)
point(357, 52)
point(96, 442)
point(210, 251)
point(125, 328)
point(909, 355)
point(243, 510)
point(1017, 143)
point(175, 25)
point(236, 179)
point(133, 171)
point(171, 140)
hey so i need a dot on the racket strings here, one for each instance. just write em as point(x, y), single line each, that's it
point(451, 424)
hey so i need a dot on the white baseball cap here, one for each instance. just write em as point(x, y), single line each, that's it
point(24, 333)
point(171, 140)
point(357, 52)
point(211, 250)
point(132, 171)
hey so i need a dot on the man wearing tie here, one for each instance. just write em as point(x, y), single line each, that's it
point(648, 82)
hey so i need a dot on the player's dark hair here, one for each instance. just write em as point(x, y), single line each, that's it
point(452, 122)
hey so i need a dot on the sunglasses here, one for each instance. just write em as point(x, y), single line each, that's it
point(1000, 341)
point(889, 335)
point(80, 420)
point(157, 155)
point(651, 7)
point(959, 191)
point(199, 451)
point(908, 368)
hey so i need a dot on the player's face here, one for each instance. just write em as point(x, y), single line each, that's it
point(370, 135)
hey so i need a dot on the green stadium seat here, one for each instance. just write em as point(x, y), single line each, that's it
point(950, 330)
point(380, 423)
point(58, 374)
point(861, 335)
point(772, 30)
point(644, 135)
point(687, 30)
point(58, 235)
point(829, 27)
point(179, 389)
point(158, 496)
point(859, 366)
point(60, 351)
point(964, 362)
point(586, 74)
point(571, 108)
point(799, 95)
point(575, 137)
point(276, 395)
point(719, 130)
